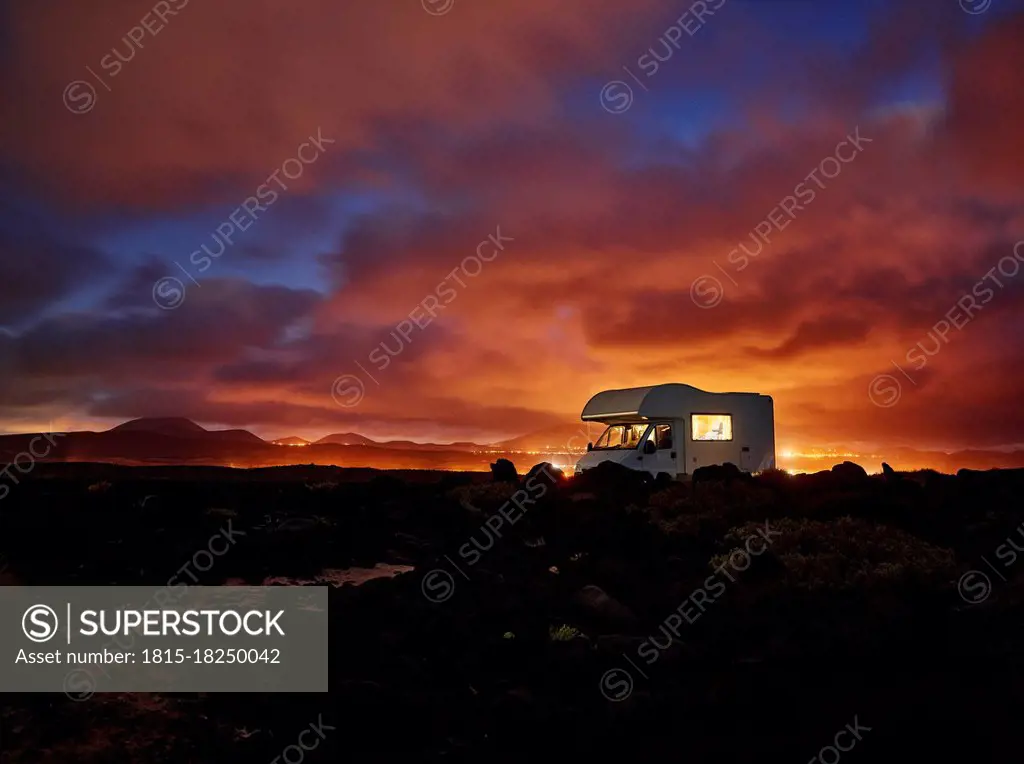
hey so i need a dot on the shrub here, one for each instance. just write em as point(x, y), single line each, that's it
point(485, 496)
point(848, 553)
point(323, 485)
point(563, 633)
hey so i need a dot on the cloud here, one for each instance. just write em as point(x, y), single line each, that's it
point(986, 106)
point(827, 331)
point(223, 93)
point(452, 129)
point(38, 271)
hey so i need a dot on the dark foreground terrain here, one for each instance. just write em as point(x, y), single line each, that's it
point(784, 618)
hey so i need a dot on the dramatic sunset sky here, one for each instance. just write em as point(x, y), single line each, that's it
point(620, 186)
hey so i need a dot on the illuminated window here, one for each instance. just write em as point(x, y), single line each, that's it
point(620, 436)
point(711, 427)
point(661, 436)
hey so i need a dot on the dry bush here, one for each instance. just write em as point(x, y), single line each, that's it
point(848, 553)
point(485, 496)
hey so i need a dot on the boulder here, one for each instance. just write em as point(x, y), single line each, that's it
point(849, 470)
point(614, 645)
point(504, 471)
point(546, 472)
point(609, 475)
point(595, 602)
point(726, 473)
point(662, 482)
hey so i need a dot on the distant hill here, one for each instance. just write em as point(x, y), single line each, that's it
point(180, 427)
point(355, 439)
point(902, 459)
point(233, 436)
point(176, 426)
point(291, 440)
point(180, 441)
point(346, 439)
point(408, 445)
point(563, 438)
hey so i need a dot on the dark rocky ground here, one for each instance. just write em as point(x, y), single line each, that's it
point(571, 626)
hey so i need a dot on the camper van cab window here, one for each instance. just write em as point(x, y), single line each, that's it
point(711, 426)
point(621, 436)
point(661, 436)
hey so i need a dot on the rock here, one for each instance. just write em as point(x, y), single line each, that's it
point(662, 482)
point(521, 695)
point(411, 540)
point(612, 480)
point(296, 524)
point(849, 470)
point(473, 510)
point(545, 471)
point(726, 473)
point(504, 471)
point(889, 472)
point(596, 602)
point(614, 645)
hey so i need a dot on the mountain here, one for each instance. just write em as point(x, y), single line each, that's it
point(233, 436)
point(560, 439)
point(408, 445)
point(175, 426)
point(346, 439)
point(972, 459)
point(291, 440)
point(132, 446)
point(355, 439)
point(179, 441)
point(901, 459)
point(180, 427)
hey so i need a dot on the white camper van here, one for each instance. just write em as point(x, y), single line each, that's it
point(677, 428)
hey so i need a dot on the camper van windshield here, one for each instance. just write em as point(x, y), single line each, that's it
point(621, 436)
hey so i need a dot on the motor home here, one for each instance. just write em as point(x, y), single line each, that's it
point(676, 428)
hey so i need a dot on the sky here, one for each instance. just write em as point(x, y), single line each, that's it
point(458, 220)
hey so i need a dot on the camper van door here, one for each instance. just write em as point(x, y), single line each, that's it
point(666, 441)
point(747, 459)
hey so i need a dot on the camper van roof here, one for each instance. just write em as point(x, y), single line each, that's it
point(655, 402)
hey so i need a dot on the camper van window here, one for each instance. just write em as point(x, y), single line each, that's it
point(711, 427)
point(621, 436)
point(662, 436)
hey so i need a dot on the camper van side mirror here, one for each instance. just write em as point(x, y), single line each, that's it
point(590, 446)
point(650, 447)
